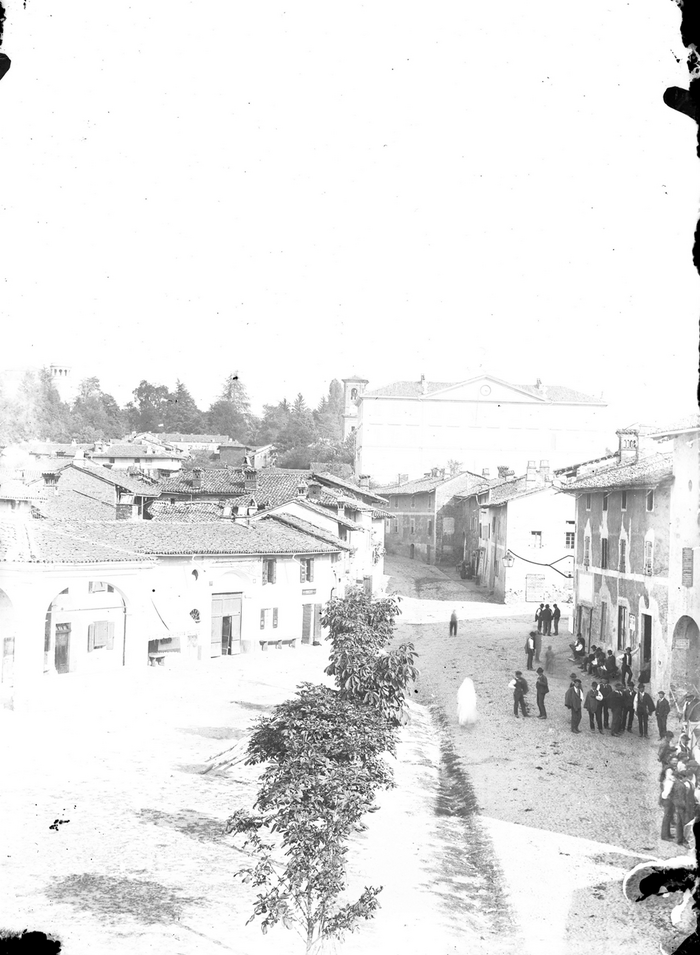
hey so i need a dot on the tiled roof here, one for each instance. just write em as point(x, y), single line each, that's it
point(186, 512)
point(509, 490)
point(72, 505)
point(15, 490)
point(421, 485)
point(54, 447)
point(330, 514)
point(325, 478)
point(689, 423)
point(262, 537)
point(650, 471)
point(136, 451)
point(414, 389)
point(194, 438)
point(307, 528)
point(43, 542)
point(133, 485)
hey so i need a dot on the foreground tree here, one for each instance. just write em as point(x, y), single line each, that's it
point(326, 763)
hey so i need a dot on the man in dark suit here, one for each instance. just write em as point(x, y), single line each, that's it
point(594, 707)
point(556, 614)
point(628, 707)
point(643, 705)
point(546, 618)
point(606, 690)
point(662, 710)
point(610, 665)
point(616, 708)
point(453, 623)
point(542, 687)
point(519, 686)
point(574, 701)
point(538, 617)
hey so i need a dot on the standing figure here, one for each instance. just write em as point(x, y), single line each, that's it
point(556, 614)
point(616, 708)
point(546, 617)
point(667, 782)
point(549, 660)
point(606, 690)
point(530, 648)
point(466, 703)
point(666, 749)
point(610, 665)
point(453, 624)
point(542, 687)
point(538, 617)
point(626, 668)
point(574, 702)
point(538, 645)
point(643, 705)
point(591, 705)
point(662, 710)
point(519, 687)
point(628, 707)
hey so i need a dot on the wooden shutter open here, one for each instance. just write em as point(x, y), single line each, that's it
point(310, 574)
point(302, 571)
point(110, 636)
point(274, 616)
point(91, 638)
point(264, 571)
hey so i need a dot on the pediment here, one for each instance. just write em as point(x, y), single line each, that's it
point(484, 388)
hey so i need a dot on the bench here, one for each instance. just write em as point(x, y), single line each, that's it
point(278, 642)
point(156, 659)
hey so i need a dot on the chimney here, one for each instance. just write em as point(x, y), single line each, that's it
point(252, 507)
point(314, 491)
point(403, 479)
point(227, 511)
point(79, 454)
point(197, 479)
point(51, 479)
point(302, 488)
point(341, 509)
point(423, 386)
point(364, 482)
point(544, 471)
point(629, 441)
point(485, 473)
point(250, 478)
point(441, 473)
point(531, 474)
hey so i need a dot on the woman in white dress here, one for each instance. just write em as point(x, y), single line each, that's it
point(466, 703)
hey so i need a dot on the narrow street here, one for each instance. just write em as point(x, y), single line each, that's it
point(567, 814)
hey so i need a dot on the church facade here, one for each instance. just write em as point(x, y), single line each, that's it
point(408, 428)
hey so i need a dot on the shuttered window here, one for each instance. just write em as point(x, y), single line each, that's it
point(101, 634)
point(269, 571)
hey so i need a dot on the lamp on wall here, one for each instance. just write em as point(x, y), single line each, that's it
point(510, 559)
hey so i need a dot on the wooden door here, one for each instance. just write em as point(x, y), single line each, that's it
point(306, 622)
point(225, 624)
point(318, 610)
point(62, 650)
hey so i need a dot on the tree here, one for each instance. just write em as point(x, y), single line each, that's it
point(148, 410)
point(326, 762)
point(182, 414)
point(96, 415)
point(230, 413)
point(454, 467)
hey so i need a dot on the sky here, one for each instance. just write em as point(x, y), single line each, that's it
point(307, 191)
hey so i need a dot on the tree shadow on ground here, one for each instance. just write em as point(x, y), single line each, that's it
point(108, 897)
point(196, 825)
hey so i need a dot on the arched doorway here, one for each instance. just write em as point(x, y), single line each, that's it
point(85, 629)
point(685, 655)
point(7, 640)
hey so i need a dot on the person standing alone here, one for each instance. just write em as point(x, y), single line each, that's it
point(453, 624)
point(530, 648)
point(556, 614)
point(662, 710)
point(574, 701)
point(542, 687)
point(519, 687)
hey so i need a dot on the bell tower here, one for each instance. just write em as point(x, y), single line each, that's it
point(353, 389)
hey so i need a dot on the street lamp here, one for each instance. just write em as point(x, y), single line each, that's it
point(508, 560)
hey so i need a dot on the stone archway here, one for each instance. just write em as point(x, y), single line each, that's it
point(85, 628)
point(685, 656)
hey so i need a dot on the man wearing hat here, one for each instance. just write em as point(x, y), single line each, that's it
point(616, 707)
point(574, 701)
point(605, 690)
point(662, 710)
point(626, 666)
point(542, 687)
point(628, 706)
point(518, 686)
point(643, 706)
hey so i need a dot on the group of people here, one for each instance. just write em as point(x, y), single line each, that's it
point(679, 781)
point(546, 617)
point(615, 707)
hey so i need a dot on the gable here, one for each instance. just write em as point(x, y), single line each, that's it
point(484, 388)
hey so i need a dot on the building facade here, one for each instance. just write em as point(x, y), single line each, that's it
point(408, 427)
point(424, 516)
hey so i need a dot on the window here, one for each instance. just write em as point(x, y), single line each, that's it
point(648, 557)
point(306, 570)
point(111, 460)
point(101, 634)
point(586, 551)
point(387, 526)
point(430, 527)
point(621, 628)
point(413, 525)
point(588, 502)
point(605, 501)
point(623, 501)
point(268, 617)
point(413, 502)
point(536, 538)
point(687, 567)
point(396, 525)
point(269, 571)
point(604, 552)
point(650, 500)
point(623, 557)
point(97, 587)
point(570, 540)
point(603, 621)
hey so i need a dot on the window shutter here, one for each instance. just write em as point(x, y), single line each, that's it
point(91, 638)
point(264, 571)
point(274, 617)
point(302, 571)
point(311, 569)
point(262, 619)
point(273, 569)
point(110, 636)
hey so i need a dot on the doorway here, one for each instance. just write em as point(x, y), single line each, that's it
point(685, 658)
point(225, 624)
point(413, 551)
point(646, 642)
point(62, 648)
point(311, 623)
point(621, 628)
